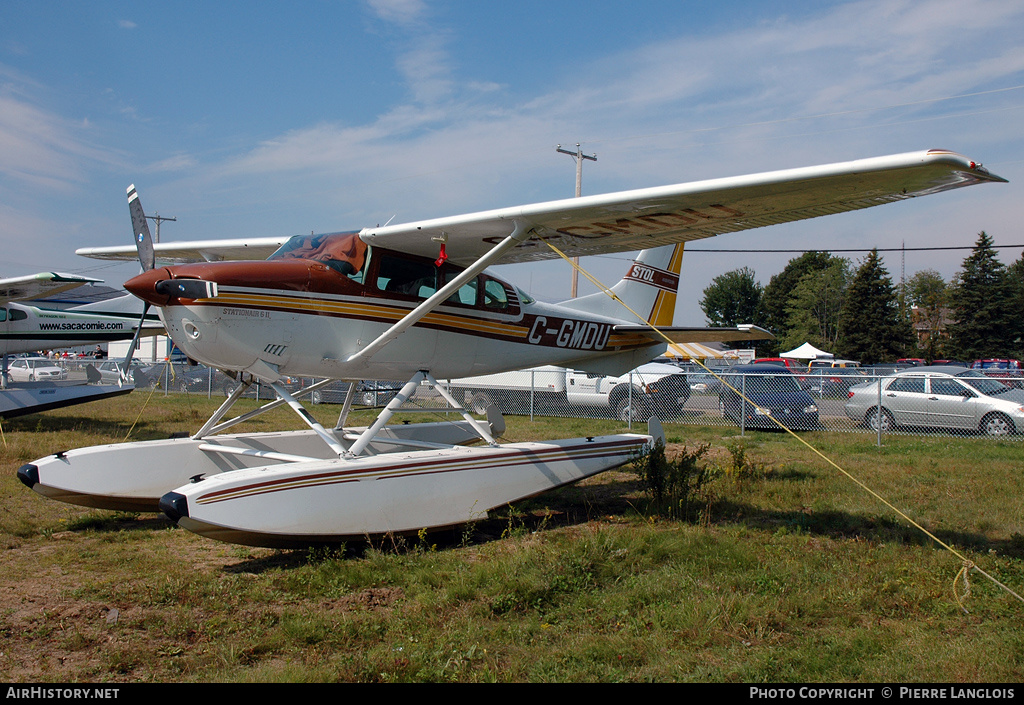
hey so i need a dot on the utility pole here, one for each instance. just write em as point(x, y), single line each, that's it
point(157, 219)
point(579, 156)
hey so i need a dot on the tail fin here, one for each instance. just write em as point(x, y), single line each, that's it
point(648, 288)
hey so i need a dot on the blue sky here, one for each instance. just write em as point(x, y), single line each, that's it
point(258, 119)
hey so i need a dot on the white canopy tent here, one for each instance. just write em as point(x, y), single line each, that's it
point(806, 352)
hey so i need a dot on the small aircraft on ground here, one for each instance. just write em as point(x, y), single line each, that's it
point(25, 328)
point(414, 302)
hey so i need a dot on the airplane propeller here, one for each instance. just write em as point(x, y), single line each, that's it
point(147, 258)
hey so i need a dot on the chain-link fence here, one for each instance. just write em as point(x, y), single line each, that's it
point(749, 398)
point(753, 398)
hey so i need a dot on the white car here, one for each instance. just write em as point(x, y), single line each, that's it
point(35, 369)
point(939, 397)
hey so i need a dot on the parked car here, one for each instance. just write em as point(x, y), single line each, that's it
point(703, 383)
point(938, 397)
point(35, 369)
point(652, 389)
point(771, 392)
point(882, 369)
point(196, 379)
point(915, 361)
point(226, 385)
point(1009, 371)
point(789, 363)
point(109, 372)
point(370, 393)
point(831, 377)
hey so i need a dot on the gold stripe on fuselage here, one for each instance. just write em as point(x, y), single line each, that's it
point(518, 331)
point(351, 309)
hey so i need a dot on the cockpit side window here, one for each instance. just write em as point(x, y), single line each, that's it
point(495, 295)
point(466, 295)
point(403, 275)
point(345, 253)
point(397, 275)
point(3, 315)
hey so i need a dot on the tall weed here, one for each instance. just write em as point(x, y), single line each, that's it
point(679, 486)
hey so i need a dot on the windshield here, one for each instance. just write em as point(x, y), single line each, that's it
point(343, 252)
point(995, 365)
point(985, 385)
point(769, 384)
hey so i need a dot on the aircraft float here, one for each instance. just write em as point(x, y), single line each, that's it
point(414, 302)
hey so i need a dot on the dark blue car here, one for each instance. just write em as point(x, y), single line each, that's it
point(770, 394)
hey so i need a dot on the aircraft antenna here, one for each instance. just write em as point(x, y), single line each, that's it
point(579, 156)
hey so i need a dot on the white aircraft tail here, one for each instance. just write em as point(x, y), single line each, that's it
point(648, 288)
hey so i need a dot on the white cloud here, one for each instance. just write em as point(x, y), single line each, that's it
point(790, 92)
point(403, 12)
point(39, 148)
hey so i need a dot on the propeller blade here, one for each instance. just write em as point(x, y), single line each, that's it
point(143, 240)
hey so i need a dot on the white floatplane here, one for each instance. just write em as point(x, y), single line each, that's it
point(26, 328)
point(414, 302)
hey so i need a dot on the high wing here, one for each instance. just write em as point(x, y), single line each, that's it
point(633, 220)
point(33, 286)
point(643, 218)
point(194, 250)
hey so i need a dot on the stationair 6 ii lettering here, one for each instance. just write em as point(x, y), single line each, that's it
point(380, 303)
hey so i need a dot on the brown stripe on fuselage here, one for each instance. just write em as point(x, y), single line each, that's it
point(283, 285)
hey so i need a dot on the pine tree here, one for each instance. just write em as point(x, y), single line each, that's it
point(986, 323)
point(872, 327)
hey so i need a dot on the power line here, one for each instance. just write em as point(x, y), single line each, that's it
point(868, 249)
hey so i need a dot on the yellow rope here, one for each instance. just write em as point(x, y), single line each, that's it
point(967, 565)
point(143, 409)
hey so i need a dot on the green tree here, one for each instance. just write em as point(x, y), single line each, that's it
point(872, 327)
point(814, 304)
point(732, 298)
point(775, 297)
point(986, 324)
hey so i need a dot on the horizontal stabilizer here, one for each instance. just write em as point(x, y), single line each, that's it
point(682, 334)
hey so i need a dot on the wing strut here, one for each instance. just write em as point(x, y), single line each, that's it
point(519, 235)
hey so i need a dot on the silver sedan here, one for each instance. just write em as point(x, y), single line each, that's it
point(938, 397)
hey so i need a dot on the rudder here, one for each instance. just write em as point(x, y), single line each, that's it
point(649, 288)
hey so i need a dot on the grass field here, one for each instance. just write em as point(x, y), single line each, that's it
point(788, 572)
